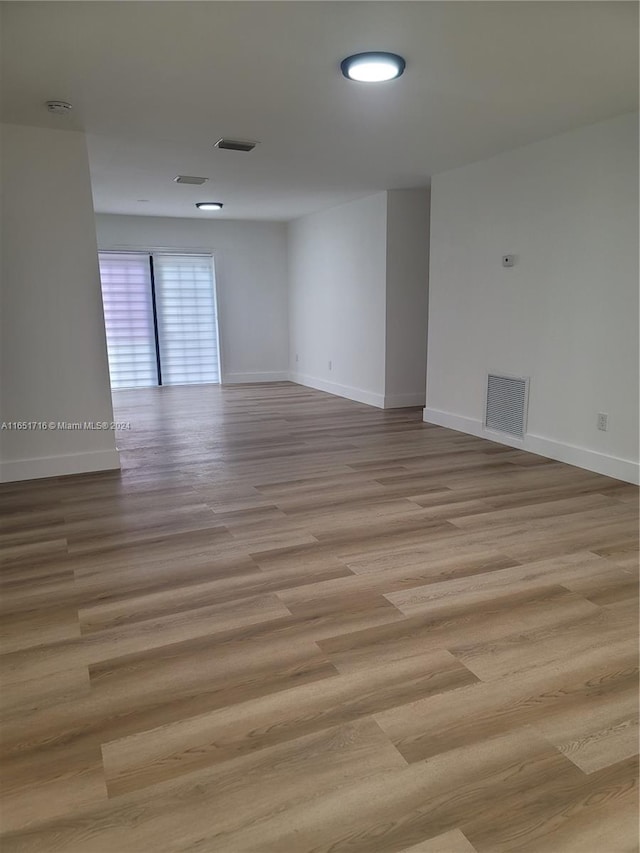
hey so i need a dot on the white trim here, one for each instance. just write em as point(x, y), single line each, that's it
point(592, 460)
point(404, 401)
point(582, 457)
point(126, 248)
point(59, 466)
point(262, 376)
point(357, 394)
point(457, 422)
point(216, 302)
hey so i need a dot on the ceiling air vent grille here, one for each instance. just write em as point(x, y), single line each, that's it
point(236, 144)
point(506, 410)
point(190, 179)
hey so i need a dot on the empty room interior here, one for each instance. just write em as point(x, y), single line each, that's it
point(319, 427)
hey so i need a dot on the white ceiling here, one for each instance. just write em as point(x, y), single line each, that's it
point(154, 84)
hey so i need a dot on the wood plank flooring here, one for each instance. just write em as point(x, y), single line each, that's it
point(298, 624)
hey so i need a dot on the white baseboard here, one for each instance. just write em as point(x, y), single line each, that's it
point(263, 376)
point(459, 423)
point(357, 394)
point(59, 466)
point(403, 401)
point(582, 457)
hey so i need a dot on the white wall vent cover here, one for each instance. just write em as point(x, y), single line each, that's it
point(506, 409)
point(190, 179)
point(236, 144)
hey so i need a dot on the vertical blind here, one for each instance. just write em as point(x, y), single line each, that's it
point(160, 317)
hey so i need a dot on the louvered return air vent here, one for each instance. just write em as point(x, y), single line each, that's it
point(236, 144)
point(506, 410)
point(190, 179)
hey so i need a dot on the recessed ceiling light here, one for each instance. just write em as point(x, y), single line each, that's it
point(372, 66)
point(209, 205)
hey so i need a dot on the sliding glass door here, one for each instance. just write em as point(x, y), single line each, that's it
point(186, 312)
point(160, 317)
point(128, 317)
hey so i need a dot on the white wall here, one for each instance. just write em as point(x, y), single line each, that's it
point(358, 282)
point(53, 350)
point(337, 301)
point(566, 314)
point(250, 261)
point(407, 297)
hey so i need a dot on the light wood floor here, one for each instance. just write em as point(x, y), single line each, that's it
point(294, 623)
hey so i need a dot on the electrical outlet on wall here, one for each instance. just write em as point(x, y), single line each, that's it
point(330, 365)
point(603, 421)
point(296, 356)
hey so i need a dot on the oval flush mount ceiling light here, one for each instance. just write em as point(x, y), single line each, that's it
point(373, 66)
point(209, 205)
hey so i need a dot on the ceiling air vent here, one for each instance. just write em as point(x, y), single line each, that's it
point(236, 144)
point(507, 399)
point(190, 179)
